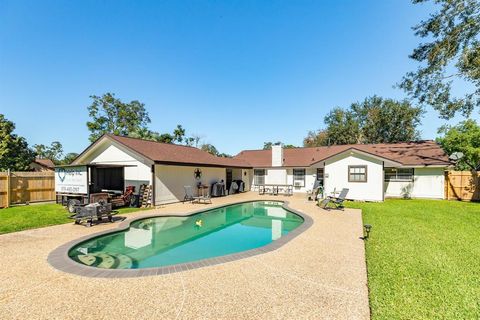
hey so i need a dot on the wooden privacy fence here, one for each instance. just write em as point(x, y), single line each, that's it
point(22, 187)
point(462, 185)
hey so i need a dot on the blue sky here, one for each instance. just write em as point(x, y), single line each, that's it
point(237, 73)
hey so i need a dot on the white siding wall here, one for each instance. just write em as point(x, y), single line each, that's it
point(247, 178)
point(336, 177)
point(427, 183)
point(170, 180)
point(310, 176)
point(138, 171)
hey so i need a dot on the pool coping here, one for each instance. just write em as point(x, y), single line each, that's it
point(60, 260)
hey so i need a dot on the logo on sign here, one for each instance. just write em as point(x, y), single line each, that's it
point(61, 174)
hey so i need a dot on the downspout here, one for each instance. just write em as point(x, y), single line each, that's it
point(383, 181)
point(324, 180)
point(153, 186)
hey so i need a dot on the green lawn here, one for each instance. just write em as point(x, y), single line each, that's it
point(35, 216)
point(423, 259)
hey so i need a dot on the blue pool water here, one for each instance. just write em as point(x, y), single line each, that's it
point(163, 241)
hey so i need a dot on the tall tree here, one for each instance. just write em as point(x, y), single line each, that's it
point(146, 134)
point(53, 152)
point(316, 138)
point(178, 134)
point(386, 120)
point(224, 155)
point(463, 138)
point(210, 149)
point(193, 140)
point(374, 120)
point(110, 115)
point(14, 151)
point(450, 57)
point(165, 138)
point(69, 157)
point(342, 127)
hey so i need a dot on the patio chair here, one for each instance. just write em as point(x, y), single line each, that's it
point(335, 201)
point(189, 194)
point(313, 194)
point(205, 198)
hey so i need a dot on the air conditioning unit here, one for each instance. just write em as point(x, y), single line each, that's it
point(298, 183)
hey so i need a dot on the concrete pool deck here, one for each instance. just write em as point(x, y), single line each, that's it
point(320, 274)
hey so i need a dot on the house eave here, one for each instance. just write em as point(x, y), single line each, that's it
point(426, 166)
point(368, 154)
point(196, 164)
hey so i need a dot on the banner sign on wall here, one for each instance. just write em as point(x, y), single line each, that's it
point(71, 179)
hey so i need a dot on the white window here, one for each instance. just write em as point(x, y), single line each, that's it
point(299, 177)
point(357, 173)
point(259, 176)
point(399, 174)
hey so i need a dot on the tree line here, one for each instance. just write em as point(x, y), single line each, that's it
point(108, 114)
point(448, 57)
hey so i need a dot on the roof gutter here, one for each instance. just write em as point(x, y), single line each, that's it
point(193, 164)
point(427, 165)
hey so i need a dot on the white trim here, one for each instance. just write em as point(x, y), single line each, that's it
point(351, 151)
point(117, 144)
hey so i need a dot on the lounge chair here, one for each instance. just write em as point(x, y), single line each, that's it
point(313, 194)
point(336, 201)
point(189, 194)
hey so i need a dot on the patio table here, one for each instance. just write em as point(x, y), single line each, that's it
point(202, 189)
point(275, 189)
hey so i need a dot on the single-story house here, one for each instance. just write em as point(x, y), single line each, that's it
point(42, 165)
point(167, 167)
point(371, 172)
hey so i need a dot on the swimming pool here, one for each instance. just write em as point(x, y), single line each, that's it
point(166, 241)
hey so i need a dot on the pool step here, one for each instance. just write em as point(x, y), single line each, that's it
point(106, 260)
point(124, 261)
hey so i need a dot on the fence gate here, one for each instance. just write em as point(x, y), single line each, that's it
point(21, 187)
point(462, 185)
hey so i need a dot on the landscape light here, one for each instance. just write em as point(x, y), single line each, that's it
point(367, 228)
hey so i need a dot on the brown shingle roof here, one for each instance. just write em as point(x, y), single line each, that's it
point(407, 153)
point(45, 162)
point(173, 153)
